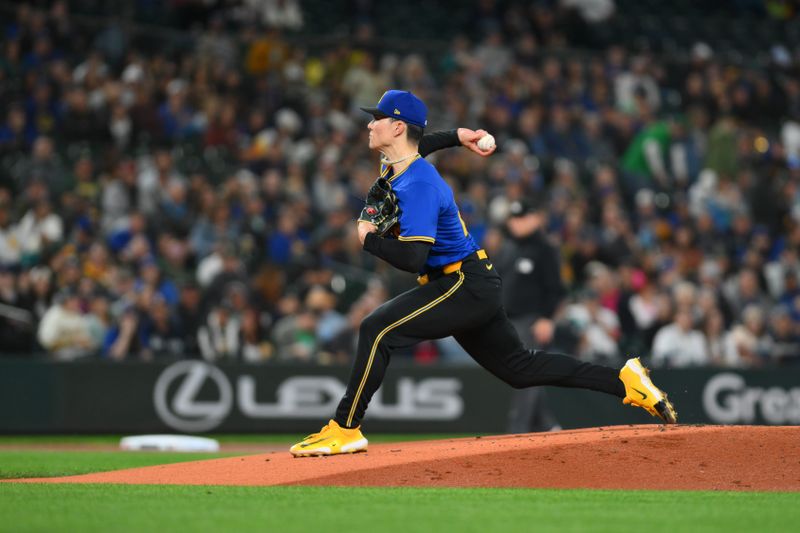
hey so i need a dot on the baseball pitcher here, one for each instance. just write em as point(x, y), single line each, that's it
point(411, 220)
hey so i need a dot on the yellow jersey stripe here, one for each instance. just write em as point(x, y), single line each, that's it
point(417, 238)
point(389, 328)
point(404, 170)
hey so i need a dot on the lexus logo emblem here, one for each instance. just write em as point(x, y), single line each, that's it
point(176, 391)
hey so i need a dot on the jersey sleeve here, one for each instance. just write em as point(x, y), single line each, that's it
point(438, 140)
point(419, 214)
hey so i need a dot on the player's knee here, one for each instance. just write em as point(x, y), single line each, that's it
point(372, 324)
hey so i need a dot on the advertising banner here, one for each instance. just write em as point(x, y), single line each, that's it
point(193, 396)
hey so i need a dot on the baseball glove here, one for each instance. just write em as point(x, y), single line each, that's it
point(381, 207)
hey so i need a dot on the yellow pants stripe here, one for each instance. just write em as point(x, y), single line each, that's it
point(389, 328)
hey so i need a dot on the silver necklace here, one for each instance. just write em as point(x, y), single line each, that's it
point(389, 163)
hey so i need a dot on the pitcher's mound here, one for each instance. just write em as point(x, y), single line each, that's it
point(630, 457)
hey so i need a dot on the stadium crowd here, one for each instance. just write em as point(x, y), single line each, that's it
point(198, 199)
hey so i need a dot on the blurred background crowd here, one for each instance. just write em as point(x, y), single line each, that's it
point(180, 178)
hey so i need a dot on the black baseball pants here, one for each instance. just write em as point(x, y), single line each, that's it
point(467, 305)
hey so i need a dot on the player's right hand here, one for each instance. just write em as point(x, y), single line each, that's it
point(469, 139)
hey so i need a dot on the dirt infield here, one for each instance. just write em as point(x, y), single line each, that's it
point(630, 457)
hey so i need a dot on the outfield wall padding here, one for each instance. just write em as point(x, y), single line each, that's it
point(193, 396)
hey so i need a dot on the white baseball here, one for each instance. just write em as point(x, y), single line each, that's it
point(486, 142)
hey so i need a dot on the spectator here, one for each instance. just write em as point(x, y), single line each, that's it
point(782, 275)
point(647, 307)
point(714, 331)
point(119, 195)
point(229, 281)
point(150, 277)
point(81, 123)
point(634, 83)
point(124, 341)
point(597, 327)
point(785, 349)
point(214, 227)
point(321, 302)
point(744, 290)
point(328, 192)
point(747, 344)
point(646, 161)
point(679, 345)
point(99, 316)
point(294, 335)
point(39, 229)
point(492, 55)
point(684, 295)
point(175, 115)
point(154, 180)
point(43, 165)
point(36, 290)
point(190, 314)
point(721, 152)
point(10, 246)
point(277, 13)
point(64, 330)
point(214, 46)
point(254, 345)
point(84, 180)
point(218, 337)
point(14, 138)
point(161, 333)
point(288, 239)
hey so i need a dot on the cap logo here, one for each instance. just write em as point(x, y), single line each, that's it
point(396, 111)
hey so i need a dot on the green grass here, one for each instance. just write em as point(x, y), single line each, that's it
point(19, 464)
point(286, 509)
point(53, 507)
point(41, 463)
point(245, 438)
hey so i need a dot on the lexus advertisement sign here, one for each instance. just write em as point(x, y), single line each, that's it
point(178, 401)
point(193, 396)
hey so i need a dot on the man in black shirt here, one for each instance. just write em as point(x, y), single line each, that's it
point(532, 292)
point(529, 264)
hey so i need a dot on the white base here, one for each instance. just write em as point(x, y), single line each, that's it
point(169, 443)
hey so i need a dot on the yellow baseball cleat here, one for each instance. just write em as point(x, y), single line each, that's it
point(332, 439)
point(641, 392)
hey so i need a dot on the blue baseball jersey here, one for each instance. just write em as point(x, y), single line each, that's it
point(428, 213)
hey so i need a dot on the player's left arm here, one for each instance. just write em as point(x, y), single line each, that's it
point(431, 142)
point(405, 255)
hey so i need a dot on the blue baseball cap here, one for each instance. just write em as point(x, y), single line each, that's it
point(401, 105)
